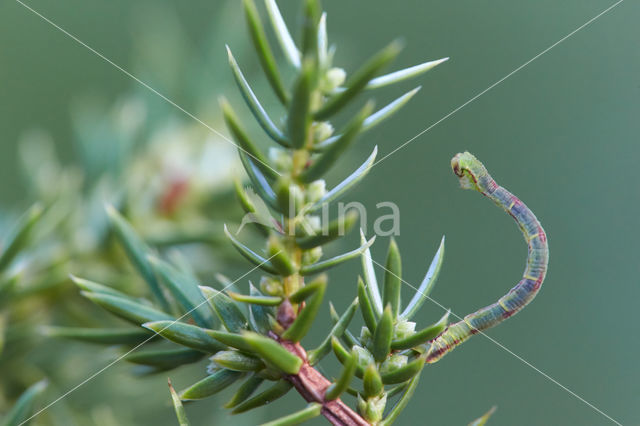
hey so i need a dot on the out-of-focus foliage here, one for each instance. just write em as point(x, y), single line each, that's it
point(170, 176)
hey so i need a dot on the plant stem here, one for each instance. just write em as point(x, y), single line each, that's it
point(312, 385)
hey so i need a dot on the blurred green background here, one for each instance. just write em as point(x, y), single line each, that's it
point(562, 134)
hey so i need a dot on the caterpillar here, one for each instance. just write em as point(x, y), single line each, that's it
point(473, 175)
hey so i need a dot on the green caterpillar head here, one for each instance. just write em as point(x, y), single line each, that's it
point(470, 170)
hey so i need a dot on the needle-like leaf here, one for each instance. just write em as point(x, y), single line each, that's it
point(427, 284)
point(370, 279)
point(358, 81)
point(388, 110)
point(381, 344)
point(258, 314)
point(334, 229)
point(129, 310)
point(259, 181)
point(273, 353)
point(334, 261)
point(484, 419)
point(304, 321)
point(226, 309)
point(405, 373)
point(165, 359)
point(187, 335)
point(256, 300)
point(393, 279)
point(365, 307)
point(315, 355)
point(178, 407)
point(245, 391)
point(348, 371)
point(105, 336)
point(353, 179)
point(231, 339)
point(208, 386)
point(19, 413)
point(245, 144)
point(274, 392)
point(372, 382)
point(298, 119)
point(328, 157)
point(263, 50)
point(20, 235)
point(185, 289)
point(312, 410)
point(282, 33)
point(254, 104)
point(404, 74)
point(237, 361)
point(250, 255)
point(137, 251)
point(402, 402)
point(422, 336)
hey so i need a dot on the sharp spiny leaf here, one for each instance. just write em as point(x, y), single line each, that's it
point(358, 81)
point(312, 410)
point(402, 402)
point(226, 309)
point(370, 279)
point(381, 343)
point(137, 251)
point(254, 104)
point(20, 235)
point(393, 279)
point(337, 260)
point(265, 55)
point(372, 382)
point(427, 284)
point(237, 361)
point(129, 310)
point(282, 33)
point(365, 307)
point(405, 373)
point(304, 321)
point(315, 355)
point(250, 255)
point(273, 353)
point(348, 371)
point(353, 179)
point(165, 358)
point(105, 336)
point(274, 392)
point(422, 336)
point(334, 229)
point(298, 119)
point(328, 157)
point(208, 386)
point(245, 391)
point(178, 407)
point(187, 335)
point(404, 74)
point(245, 144)
point(185, 289)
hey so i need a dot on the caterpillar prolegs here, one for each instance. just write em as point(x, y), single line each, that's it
point(473, 175)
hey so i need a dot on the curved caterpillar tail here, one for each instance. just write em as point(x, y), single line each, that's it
point(473, 175)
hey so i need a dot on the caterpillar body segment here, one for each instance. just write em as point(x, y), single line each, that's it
point(473, 175)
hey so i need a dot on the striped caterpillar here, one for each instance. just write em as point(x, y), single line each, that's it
point(473, 175)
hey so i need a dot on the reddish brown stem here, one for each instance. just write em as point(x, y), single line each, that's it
point(312, 385)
